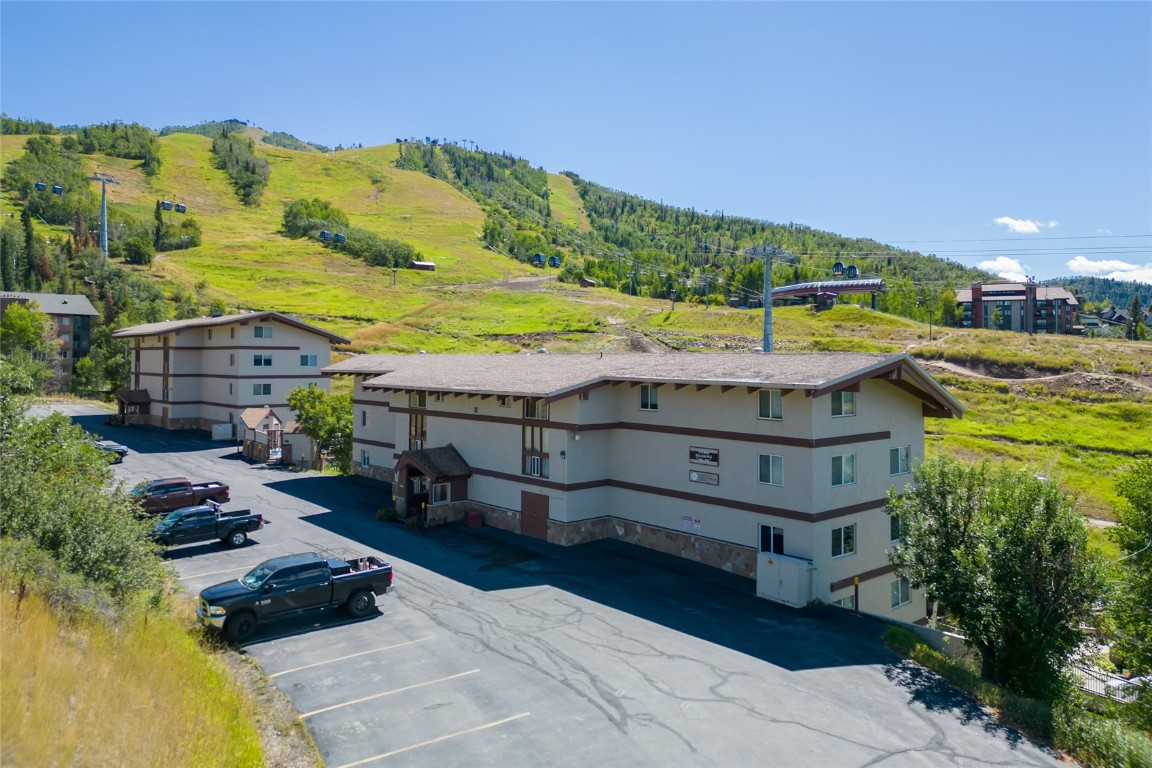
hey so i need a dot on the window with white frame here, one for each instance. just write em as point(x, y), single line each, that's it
point(363, 418)
point(901, 594)
point(848, 602)
point(262, 389)
point(844, 469)
point(364, 460)
point(65, 321)
point(772, 539)
point(441, 493)
point(771, 469)
point(843, 403)
point(417, 399)
point(262, 361)
point(771, 404)
point(308, 361)
point(437, 397)
point(900, 460)
point(844, 540)
point(649, 397)
point(231, 359)
point(535, 408)
point(504, 401)
point(262, 331)
point(231, 333)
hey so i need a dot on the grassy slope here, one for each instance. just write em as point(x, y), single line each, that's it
point(567, 207)
point(473, 302)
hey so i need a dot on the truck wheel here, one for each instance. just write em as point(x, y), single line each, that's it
point(236, 538)
point(240, 627)
point(361, 603)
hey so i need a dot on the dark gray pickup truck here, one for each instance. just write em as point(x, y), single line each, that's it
point(204, 523)
point(292, 584)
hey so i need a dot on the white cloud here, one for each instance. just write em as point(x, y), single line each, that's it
point(1113, 268)
point(1024, 226)
point(1010, 269)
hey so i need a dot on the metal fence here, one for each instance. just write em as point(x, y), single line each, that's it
point(1109, 686)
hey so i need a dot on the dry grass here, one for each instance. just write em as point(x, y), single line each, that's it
point(139, 692)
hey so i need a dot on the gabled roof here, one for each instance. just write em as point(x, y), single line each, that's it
point(554, 376)
point(154, 329)
point(436, 463)
point(134, 396)
point(57, 303)
point(253, 416)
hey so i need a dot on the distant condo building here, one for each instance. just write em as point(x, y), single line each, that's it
point(1022, 307)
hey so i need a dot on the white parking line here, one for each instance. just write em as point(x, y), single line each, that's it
point(389, 693)
point(383, 755)
point(213, 573)
point(351, 656)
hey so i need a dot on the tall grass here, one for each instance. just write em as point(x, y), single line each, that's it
point(138, 691)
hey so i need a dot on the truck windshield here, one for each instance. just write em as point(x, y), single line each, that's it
point(257, 576)
point(140, 489)
point(172, 517)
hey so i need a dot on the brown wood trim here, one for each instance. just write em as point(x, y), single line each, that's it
point(713, 434)
point(760, 509)
point(866, 576)
point(177, 348)
point(377, 443)
point(235, 377)
point(854, 381)
point(937, 413)
point(371, 402)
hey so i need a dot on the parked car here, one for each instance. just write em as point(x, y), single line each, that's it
point(205, 522)
point(292, 584)
point(170, 493)
point(117, 450)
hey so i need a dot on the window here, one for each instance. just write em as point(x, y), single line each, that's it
point(437, 397)
point(308, 361)
point(900, 460)
point(417, 399)
point(648, 398)
point(229, 387)
point(895, 527)
point(262, 361)
point(417, 431)
point(261, 389)
point(772, 539)
point(535, 451)
point(844, 540)
point(262, 331)
point(231, 333)
point(771, 469)
point(771, 404)
point(846, 602)
point(209, 334)
point(363, 418)
point(844, 469)
point(65, 338)
point(231, 359)
point(364, 460)
point(535, 408)
point(441, 493)
point(504, 401)
point(166, 395)
point(65, 322)
point(901, 595)
point(843, 403)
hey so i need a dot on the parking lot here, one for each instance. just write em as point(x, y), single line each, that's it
point(497, 650)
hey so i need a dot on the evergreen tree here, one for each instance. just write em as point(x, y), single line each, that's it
point(1130, 328)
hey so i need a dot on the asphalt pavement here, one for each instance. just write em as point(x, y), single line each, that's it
point(501, 650)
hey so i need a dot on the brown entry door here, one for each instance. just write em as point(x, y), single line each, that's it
point(534, 515)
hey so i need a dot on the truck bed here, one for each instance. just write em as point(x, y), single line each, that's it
point(359, 565)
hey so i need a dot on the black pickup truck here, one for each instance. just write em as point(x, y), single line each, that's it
point(284, 586)
point(204, 523)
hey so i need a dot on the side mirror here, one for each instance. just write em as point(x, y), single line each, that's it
point(269, 586)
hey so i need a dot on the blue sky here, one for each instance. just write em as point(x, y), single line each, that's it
point(1013, 135)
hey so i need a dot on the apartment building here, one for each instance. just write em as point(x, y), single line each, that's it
point(774, 467)
point(1022, 307)
point(72, 316)
point(205, 372)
